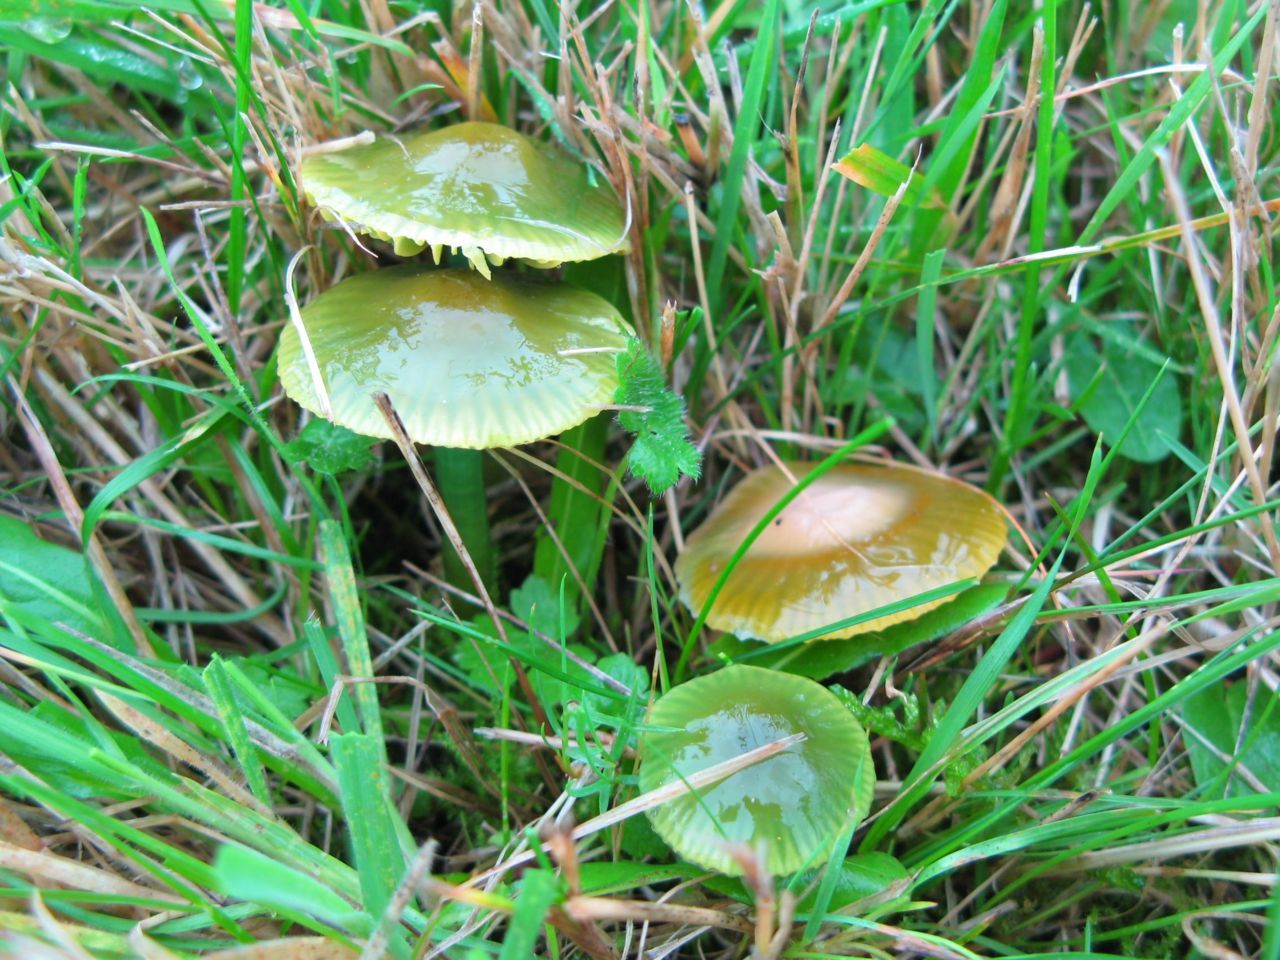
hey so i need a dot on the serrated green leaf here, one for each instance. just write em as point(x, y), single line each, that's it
point(329, 448)
point(662, 452)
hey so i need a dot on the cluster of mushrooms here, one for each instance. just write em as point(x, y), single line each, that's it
point(856, 539)
point(468, 358)
point(476, 359)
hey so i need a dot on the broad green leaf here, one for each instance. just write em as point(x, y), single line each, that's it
point(1108, 382)
point(641, 842)
point(1219, 740)
point(45, 579)
point(625, 670)
point(537, 605)
point(603, 879)
point(555, 677)
point(859, 875)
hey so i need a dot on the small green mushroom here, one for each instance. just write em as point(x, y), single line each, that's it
point(858, 538)
point(480, 188)
point(789, 806)
point(466, 362)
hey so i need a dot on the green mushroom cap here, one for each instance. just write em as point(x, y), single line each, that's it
point(480, 188)
point(791, 804)
point(467, 362)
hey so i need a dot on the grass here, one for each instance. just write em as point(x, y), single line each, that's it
point(249, 696)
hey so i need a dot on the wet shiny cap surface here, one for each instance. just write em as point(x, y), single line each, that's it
point(790, 805)
point(467, 362)
point(481, 188)
point(857, 539)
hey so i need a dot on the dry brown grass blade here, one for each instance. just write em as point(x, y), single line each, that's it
point(428, 488)
point(14, 830)
point(290, 948)
point(1202, 285)
point(150, 731)
point(603, 908)
point(1246, 833)
point(655, 797)
point(44, 867)
point(1011, 184)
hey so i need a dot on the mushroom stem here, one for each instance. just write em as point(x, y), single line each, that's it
point(460, 478)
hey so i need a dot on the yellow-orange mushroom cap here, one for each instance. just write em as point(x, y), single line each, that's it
point(856, 539)
point(480, 188)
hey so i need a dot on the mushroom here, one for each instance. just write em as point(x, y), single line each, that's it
point(790, 805)
point(466, 362)
point(480, 188)
point(858, 538)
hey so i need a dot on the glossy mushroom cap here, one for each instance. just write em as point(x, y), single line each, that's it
point(791, 804)
point(857, 539)
point(482, 188)
point(467, 362)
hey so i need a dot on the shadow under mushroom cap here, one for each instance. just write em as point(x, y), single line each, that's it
point(857, 539)
point(481, 187)
point(467, 362)
point(791, 804)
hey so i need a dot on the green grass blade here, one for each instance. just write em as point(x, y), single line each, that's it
point(539, 891)
point(351, 628)
point(366, 807)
